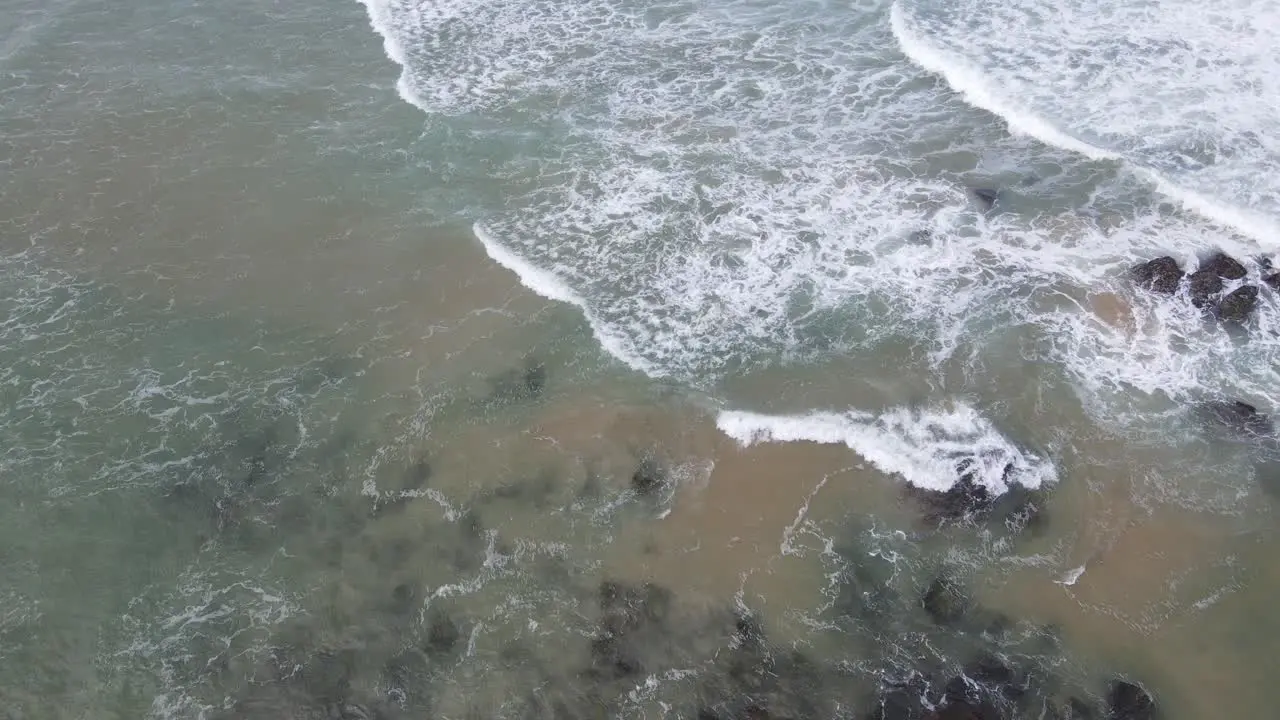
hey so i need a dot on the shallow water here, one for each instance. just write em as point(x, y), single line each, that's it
point(609, 375)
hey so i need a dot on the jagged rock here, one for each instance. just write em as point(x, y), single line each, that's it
point(1127, 701)
point(1239, 417)
point(1161, 275)
point(612, 659)
point(986, 197)
point(625, 612)
point(1273, 281)
point(945, 601)
point(774, 684)
point(1238, 305)
point(1202, 286)
point(1224, 266)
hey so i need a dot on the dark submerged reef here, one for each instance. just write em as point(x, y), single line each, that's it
point(1205, 286)
point(904, 644)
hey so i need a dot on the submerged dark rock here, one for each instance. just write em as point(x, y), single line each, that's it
point(1161, 275)
point(629, 615)
point(965, 710)
point(649, 476)
point(945, 601)
point(403, 599)
point(964, 499)
point(986, 197)
point(515, 385)
point(1239, 417)
point(766, 682)
point(1238, 305)
point(1273, 281)
point(443, 634)
point(417, 475)
point(1202, 286)
point(901, 700)
point(1020, 509)
point(1128, 701)
point(327, 675)
point(996, 676)
point(1072, 708)
point(1224, 266)
point(535, 490)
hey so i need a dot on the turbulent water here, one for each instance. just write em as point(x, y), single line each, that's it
point(631, 359)
point(725, 185)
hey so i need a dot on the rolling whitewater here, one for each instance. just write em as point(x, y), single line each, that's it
point(613, 358)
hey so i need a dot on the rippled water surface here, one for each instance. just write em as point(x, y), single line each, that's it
point(476, 359)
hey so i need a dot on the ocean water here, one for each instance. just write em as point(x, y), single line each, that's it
point(613, 358)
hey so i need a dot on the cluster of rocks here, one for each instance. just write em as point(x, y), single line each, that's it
point(966, 500)
point(641, 631)
point(1205, 286)
point(995, 686)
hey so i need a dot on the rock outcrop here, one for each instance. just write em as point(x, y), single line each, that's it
point(1127, 701)
point(1238, 305)
point(1202, 286)
point(1161, 275)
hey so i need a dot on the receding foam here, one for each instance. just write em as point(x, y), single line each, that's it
point(547, 285)
point(922, 446)
point(719, 190)
point(1183, 92)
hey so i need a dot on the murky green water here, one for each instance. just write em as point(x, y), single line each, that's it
point(280, 440)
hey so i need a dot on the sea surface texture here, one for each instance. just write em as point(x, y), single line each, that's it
point(720, 360)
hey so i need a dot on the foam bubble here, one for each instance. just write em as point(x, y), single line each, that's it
point(922, 446)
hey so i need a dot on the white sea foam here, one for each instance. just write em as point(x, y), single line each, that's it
point(922, 446)
point(725, 185)
point(549, 286)
point(1182, 91)
point(975, 87)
